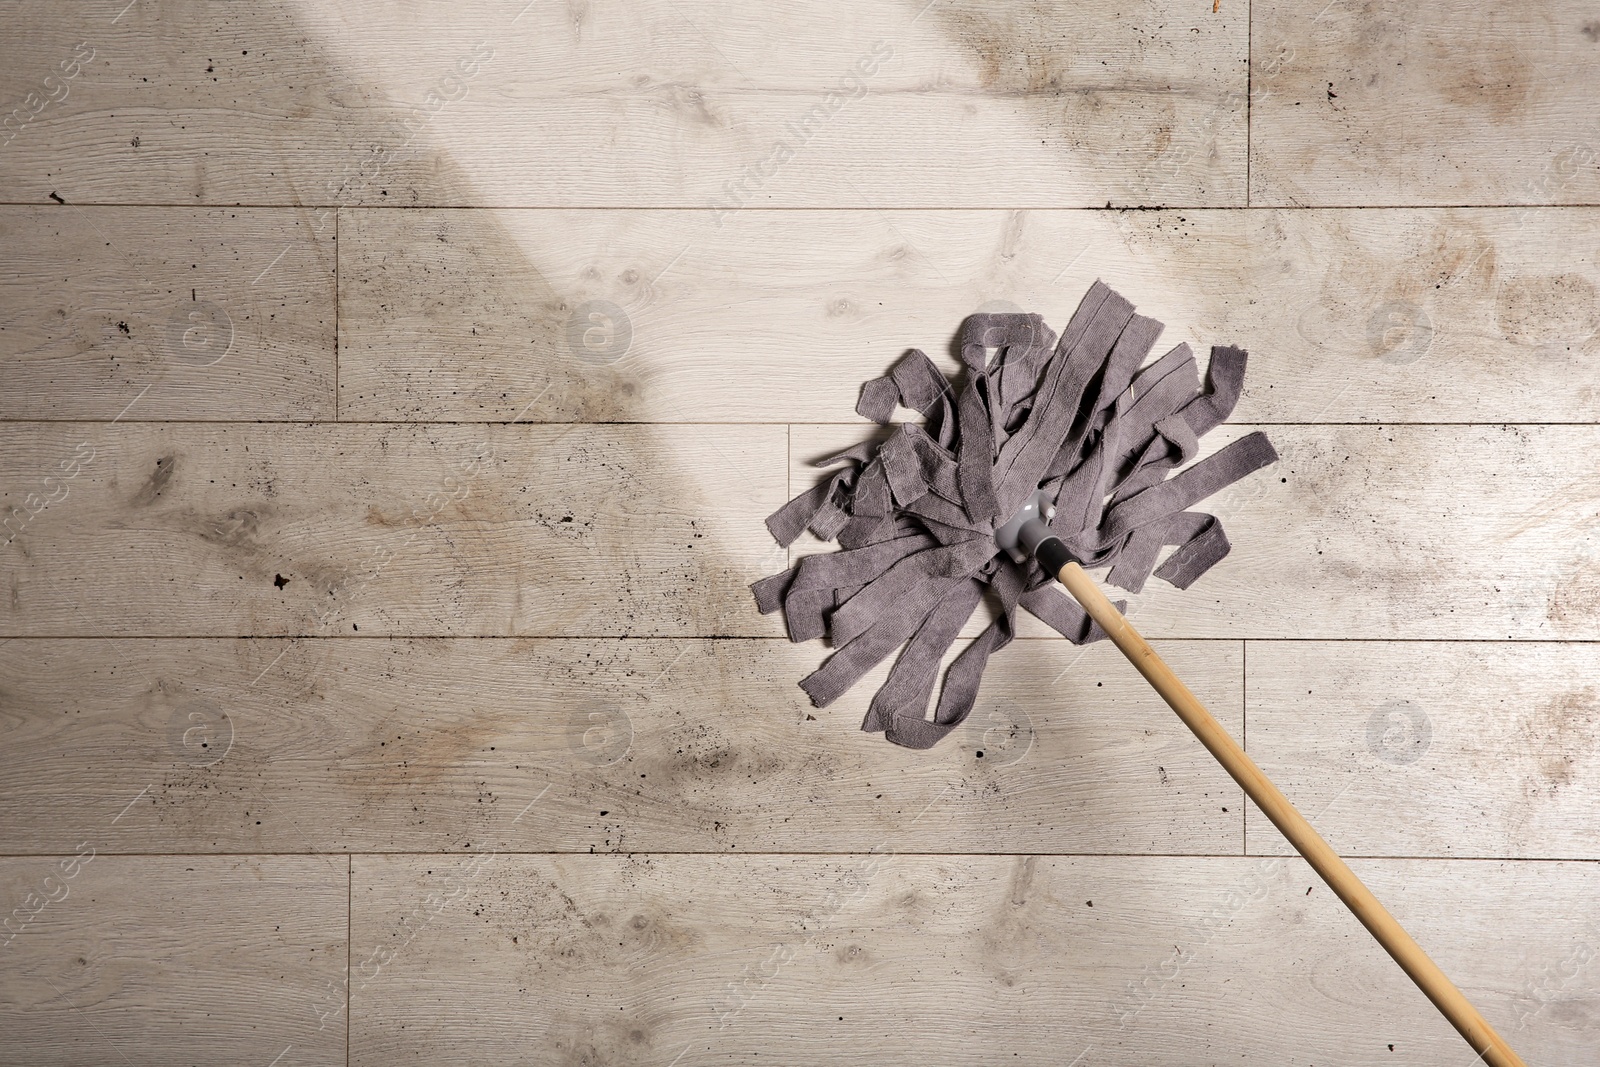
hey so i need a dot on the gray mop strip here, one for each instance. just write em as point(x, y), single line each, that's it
point(915, 516)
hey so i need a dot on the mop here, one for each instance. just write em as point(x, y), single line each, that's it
point(1052, 455)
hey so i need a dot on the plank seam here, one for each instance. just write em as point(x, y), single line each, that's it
point(1190, 639)
point(736, 854)
point(834, 208)
point(12, 421)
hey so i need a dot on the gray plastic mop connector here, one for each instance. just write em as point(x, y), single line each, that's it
point(1023, 532)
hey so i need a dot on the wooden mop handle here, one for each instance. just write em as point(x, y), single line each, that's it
point(1340, 878)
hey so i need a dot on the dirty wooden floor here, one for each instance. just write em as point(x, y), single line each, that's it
point(392, 394)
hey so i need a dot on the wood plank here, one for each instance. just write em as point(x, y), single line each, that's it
point(335, 745)
point(163, 960)
point(1358, 532)
point(1350, 316)
point(1431, 750)
point(488, 102)
point(166, 313)
point(482, 957)
point(1381, 532)
point(1442, 102)
point(316, 529)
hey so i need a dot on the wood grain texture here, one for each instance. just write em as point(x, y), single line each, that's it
point(1432, 750)
point(325, 529)
point(649, 104)
point(166, 313)
point(165, 960)
point(229, 651)
point(1332, 548)
point(1357, 532)
point(1376, 532)
point(1443, 102)
point(331, 745)
point(915, 959)
point(776, 316)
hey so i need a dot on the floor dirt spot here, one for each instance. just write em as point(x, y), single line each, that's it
point(1022, 879)
point(409, 754)
point(1560, 735)
point(1491, 74)
point(157, 483)
point(1549, 310)
point(236, 528)
point(1022, 48)
point(1395, 313)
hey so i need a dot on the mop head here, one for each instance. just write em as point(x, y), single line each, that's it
point(915, 517)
